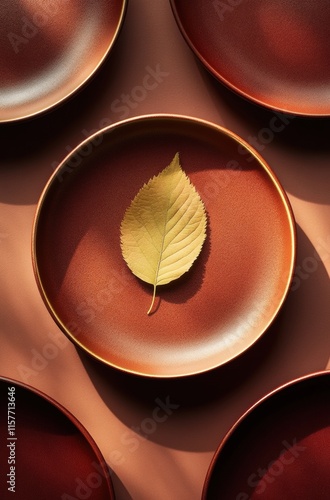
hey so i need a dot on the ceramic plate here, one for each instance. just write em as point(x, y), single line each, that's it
point(49, 49)
point(274, 52)
point(280, 449)
point(45, 452)
point(216, 310)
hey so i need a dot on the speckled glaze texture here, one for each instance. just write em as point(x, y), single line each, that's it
point(50, 49)
point(216, 310)
point(279, 448)
point(274, 52)
point(54, 455)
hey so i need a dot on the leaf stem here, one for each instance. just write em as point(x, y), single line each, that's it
point(152, 302)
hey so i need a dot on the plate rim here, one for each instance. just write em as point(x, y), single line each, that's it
point(170, 117)
point(231, 86)
point(257, 404)
point(82, 84)
point(72, 418)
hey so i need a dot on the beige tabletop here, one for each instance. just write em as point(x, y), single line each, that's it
point(168, 459)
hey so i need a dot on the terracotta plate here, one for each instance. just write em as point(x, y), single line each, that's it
point(275, 52)
point(48, 49)
point(45, 452)
point(280, 449)
point(216, 310)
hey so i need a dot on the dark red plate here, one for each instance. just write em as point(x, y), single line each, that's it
point(215, 311)
point(279, 449)
point(49, 49)
point(45, 452)
point(274, 52)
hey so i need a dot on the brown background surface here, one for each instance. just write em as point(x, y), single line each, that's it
point(172, 462)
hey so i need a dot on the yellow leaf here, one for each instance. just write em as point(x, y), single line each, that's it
point(164, 228)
